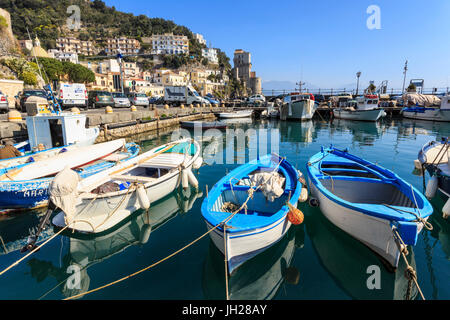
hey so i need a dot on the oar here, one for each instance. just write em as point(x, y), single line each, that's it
point(31, 245)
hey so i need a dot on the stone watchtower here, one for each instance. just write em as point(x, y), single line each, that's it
point(243, 71)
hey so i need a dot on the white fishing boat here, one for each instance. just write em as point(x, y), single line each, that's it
point(433, 113)
point(298, 106)
point(366, 109)
point(236, 114)
point(367, 201)
point(103, 200)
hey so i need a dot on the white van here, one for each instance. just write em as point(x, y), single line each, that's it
point(72, 95)
point(183, 94)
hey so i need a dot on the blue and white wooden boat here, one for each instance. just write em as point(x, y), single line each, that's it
point(434, 113)
point(33, 192)
point(367, 201)
point(263, 223)
point(435, 158)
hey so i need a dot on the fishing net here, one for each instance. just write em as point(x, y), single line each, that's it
point(63, 192)
point(271, 184)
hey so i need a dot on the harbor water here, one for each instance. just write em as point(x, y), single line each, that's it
point(315, 260)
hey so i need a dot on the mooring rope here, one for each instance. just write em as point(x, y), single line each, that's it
point(222, 223)
point(410, 273)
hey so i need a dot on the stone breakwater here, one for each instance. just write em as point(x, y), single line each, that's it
point(122, 123)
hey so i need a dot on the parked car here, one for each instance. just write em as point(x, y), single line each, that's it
point(211, 100)
point(4, 106)
point(100, 99)
point(156, 100)
point(72, 95)
point(121, 100)
point(257, 98)
point(22, 97)
point(138, 99)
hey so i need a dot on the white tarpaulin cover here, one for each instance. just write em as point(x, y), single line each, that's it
point(426, 100)
point(63, 192)
point(272, 184)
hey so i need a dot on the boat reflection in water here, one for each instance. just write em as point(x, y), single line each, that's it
point(408, 127)
point(87, 250)
point(441, 226)
point(297, 131)
point(259, 278)
point(351, 264)
point(366, 133)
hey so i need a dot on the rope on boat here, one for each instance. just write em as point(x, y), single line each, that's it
point(34, 250)
point(410, 273)
point(3, 243)
point(222, 223)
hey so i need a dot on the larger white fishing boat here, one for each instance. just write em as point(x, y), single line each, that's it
point(433, 113)
point(103, 200)
point(366, 109)
point(298, 106)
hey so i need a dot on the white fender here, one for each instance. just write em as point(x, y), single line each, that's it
point(184, 179)
point(192, 179)
point(145, 233)
point(303, 195)
point(417, 164)
point(446, 209)
point(198, 163)
point(432, 186)
point(144, 202)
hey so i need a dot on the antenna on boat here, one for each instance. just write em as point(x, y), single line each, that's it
point(47, 87)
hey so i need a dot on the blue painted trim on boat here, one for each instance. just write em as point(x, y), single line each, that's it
point(292, 184)
point(27, 194)
point(262, 231)
point(385, 175)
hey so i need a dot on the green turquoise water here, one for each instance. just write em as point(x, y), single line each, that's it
point(314, 260)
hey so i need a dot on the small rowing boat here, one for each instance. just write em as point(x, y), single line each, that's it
point(28, 188)
point(254, 200)
point(236, 114)
point(369, 202)
point(103, 200)
point(203, 125)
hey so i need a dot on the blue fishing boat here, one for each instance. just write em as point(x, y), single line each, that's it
point(264, 191)
point(367, 201)
point(33, 192)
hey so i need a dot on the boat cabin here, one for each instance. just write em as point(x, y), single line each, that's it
point(367, 102)
point(56, 130)
point(445, 102)
point(297, 96)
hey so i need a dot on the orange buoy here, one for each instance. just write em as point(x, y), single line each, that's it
point(295, 216)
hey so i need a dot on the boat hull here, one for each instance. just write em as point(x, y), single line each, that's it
point(239, 114)
point(34, 193)
point(431, 114)
point(361, 115)
point(301, 110)
point(374, 232)
point(243, 246)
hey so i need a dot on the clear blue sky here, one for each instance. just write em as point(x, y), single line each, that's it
point(324, 42)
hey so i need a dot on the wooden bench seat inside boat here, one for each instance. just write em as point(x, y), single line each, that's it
point(165, 160)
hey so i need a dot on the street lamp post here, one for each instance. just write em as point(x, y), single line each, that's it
point(358, 74)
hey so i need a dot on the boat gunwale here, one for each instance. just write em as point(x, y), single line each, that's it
point(381, 211)
point(249, 167)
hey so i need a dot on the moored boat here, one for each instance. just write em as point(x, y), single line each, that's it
point(204, 125)
point(369, 202)
point(264, 191)
point(426, 108)
point(298, 106)
point(105, 199)
point(27, 187)
point(365, 109)
point(435, 158)
point(236, 114)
